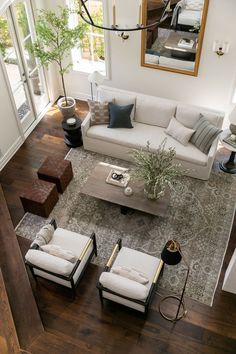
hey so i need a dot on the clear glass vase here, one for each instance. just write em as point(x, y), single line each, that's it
point(153, 193)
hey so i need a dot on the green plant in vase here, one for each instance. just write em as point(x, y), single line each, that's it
point(54, 41)
point(157, 169)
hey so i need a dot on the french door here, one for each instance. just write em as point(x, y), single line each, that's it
point(24, 75)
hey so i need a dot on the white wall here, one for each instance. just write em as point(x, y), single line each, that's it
point(212, 88)
point(10, 137)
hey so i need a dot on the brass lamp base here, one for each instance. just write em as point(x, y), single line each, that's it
point(179, 314)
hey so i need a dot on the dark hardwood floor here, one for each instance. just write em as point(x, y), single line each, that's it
point(81, 325)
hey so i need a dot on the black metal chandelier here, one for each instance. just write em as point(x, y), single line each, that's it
point(83, 12)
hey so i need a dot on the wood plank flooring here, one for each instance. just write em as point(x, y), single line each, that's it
point(82, 325)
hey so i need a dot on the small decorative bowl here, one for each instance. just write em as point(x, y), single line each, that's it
point(71, 121)
point(128, 191)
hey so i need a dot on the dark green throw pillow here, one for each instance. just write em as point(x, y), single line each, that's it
point(205, 134)
point(120, 116)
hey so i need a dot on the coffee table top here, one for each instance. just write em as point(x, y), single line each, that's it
point(174, 38)
point(97, 187)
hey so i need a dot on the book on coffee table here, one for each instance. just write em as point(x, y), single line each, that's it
point(229, 141)
point(118, 171)
point(186, 43)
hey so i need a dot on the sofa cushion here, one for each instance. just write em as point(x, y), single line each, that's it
point(189, 115)
point(99, 112)
point(154, 110)
point(138, 137)
point(120, 116)
point(123, 286)
point(189, 17)
point(176, 63)
point(48, 262)
point(118, 97)
point(179, 132)
point(205, 134)
point(151, 58)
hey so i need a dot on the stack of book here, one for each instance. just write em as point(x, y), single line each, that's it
point(186, 43)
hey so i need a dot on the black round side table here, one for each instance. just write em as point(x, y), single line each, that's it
point(73, 135)
point(229, 165)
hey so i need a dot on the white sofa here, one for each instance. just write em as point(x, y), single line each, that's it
point(151, 116)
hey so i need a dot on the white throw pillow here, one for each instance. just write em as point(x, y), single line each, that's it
point(179, 132)
point(60, 252)
point(44, 235)
point(123, 286)
point(48, 262)
point(131, 273)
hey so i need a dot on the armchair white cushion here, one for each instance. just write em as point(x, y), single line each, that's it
point(129, 292)
point(60, 270)
point(49, 262)
point(124, 286)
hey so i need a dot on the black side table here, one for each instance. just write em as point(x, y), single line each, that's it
point(229, 165)
point(73, 135)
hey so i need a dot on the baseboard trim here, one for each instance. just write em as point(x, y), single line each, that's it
point(79, 95)
point(10, 152)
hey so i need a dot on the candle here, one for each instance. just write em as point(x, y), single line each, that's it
point(80, 6)
point(140, 12)
point(114, 13)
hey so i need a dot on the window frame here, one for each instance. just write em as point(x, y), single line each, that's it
point(82, 68)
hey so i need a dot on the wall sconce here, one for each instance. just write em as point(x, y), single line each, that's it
point(220, 47)
point(123, 35)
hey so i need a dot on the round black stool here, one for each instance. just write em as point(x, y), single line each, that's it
point(72, 132)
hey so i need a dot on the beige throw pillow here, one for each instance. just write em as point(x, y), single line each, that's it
point(130, 273)
point(99, 112)
point(179, 132)
point(60, 252)
point(44, 235)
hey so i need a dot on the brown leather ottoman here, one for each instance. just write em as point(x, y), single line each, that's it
point(56, 170)
point(39, 198)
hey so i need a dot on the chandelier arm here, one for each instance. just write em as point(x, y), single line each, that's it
point(116, 28)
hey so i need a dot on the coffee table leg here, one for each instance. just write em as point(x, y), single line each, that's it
point(124, 210)
point(229, 166)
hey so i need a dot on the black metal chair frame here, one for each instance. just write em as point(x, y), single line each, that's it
point(69, 277)
point(152, 289)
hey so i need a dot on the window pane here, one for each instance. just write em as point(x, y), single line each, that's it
point(22, 20)
point(99, 50)
point(21, 102)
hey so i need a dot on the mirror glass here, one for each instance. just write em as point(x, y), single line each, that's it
point(175, 44)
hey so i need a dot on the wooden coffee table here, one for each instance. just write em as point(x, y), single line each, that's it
point(97, 187)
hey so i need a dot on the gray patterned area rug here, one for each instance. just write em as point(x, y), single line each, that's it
point(200, 217)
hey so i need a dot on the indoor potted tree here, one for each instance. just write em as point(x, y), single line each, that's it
point(157, 169)
point(54, 41)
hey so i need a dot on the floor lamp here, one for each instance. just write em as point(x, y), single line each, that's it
point(96, 79)
point(172, 255)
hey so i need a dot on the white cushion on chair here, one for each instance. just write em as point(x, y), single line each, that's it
point(124, 286)
point(57, 251)
point(48, 262)
point(130, 273)
point(131, 258)
point(69, 240)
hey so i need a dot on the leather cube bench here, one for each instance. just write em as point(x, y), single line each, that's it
point(56, 170)
point(39, 198)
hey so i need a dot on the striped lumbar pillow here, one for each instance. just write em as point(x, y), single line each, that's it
point(99, 112)
point(205, 134)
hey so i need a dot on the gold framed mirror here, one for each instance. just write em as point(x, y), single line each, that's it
point(176, 44)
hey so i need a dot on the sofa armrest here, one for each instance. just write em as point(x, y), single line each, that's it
point(213, 149)
point(85, 124)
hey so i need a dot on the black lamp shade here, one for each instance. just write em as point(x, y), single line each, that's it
point(171, 253)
